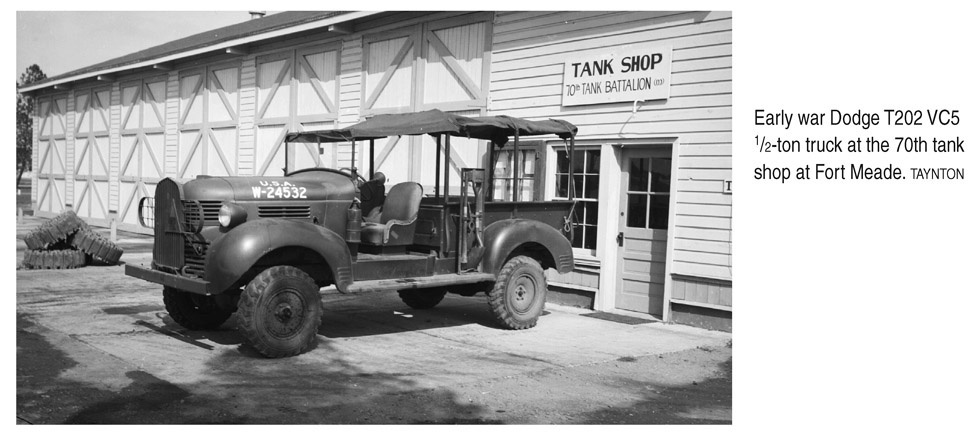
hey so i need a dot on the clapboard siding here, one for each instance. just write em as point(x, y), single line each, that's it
point(605, 29)
point(247, 111)
point(529, 51)
point(351, 62)
point(172, 145)
point(70, 164)
point(115, 144)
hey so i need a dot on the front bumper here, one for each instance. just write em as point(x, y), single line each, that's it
point(196, 286)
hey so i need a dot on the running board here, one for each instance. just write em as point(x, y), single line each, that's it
point(420, 282)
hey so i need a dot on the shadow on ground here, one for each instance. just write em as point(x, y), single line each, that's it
point(341, 393)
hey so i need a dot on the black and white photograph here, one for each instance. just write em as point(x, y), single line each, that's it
point(382, 217)
point(506, 214)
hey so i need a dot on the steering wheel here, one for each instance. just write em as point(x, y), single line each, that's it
point(349, 172)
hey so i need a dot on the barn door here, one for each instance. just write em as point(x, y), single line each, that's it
point(208, 121)
point(297, 91)
point(454, 79)
point(52, 153)
point(317, 92)
point(274, 105)
point(436, 65)
point(455, 64)
point(91, 171)
point(389, 72)
point(142, 145)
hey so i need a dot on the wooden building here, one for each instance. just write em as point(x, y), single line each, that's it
point(654, 223)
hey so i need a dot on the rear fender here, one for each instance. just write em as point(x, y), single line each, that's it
point(233, 254)
point(504, 237)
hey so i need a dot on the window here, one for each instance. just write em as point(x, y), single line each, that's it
point(648, 192)
point(587, 166)
point(528, 165)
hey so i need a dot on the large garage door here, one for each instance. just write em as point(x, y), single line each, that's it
point(52, 155)
point(435, 65)
point(209, 121)
point(142, 145)
point(298, 90)
point(91, 197)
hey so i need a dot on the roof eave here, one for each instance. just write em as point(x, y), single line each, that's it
point(219, 46)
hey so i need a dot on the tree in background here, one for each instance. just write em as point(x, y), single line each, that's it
point(25, 123)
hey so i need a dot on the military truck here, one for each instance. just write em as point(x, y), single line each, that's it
point(264, 246)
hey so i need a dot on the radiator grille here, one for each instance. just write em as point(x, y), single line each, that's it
point(270, 211)
point(194, 253)
point(209, 210)
point(168, 242)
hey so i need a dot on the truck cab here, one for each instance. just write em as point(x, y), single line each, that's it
point(263, 246)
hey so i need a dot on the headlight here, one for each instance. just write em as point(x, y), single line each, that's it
point(231, 215)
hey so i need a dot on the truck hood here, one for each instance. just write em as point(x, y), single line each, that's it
point(328, 187)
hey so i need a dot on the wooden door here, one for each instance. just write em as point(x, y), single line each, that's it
point(51, 166)
point(643, 223)
point(91, 170)
point(315, 107)
point(209, 121)
point(455, 73)
point(298, 90)
point(141, 145)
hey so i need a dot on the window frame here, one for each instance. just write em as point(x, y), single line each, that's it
point(551, 189)
point(539, 170)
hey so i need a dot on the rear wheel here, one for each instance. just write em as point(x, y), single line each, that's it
point(517, 298)
point(279, 311)
point(425, 298)
point(194, 311)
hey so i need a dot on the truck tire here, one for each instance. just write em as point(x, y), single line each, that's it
point(517, 298)
point(100, 248)
point(54, 259)
point(425, 298)
point(54, 231)
point(194, 311)
point(279, 312)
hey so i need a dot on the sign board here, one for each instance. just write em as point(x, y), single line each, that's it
point(626, 74)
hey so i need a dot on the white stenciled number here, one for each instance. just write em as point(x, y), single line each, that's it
point(302, 193)
point(286, 192)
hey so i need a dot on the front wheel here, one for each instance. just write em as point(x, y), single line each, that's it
point(194, 311)
point(279, 312)
point(518, 296)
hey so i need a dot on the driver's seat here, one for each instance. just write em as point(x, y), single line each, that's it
point(398, 218)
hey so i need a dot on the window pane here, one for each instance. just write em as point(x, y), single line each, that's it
point(593, 162)
point(526, 190)
point(638, 173)
point(503, 164)
point(590, 213)
point(578, 236)
point(562, 185)
point(528, 159)
point(578, 161)
point(590, 237)
point(578, 185)
point(661, 172)
point(659, 212)
point(591, 183)
point(636, 210)
point(562, 161)
point(579, 212)
point(501, 190)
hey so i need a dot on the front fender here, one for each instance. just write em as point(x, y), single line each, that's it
point(505, 236)
point(233, 254)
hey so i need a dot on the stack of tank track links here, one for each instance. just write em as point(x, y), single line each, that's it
point(67, 242)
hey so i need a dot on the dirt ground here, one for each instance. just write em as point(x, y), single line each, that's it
point(97, 347)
